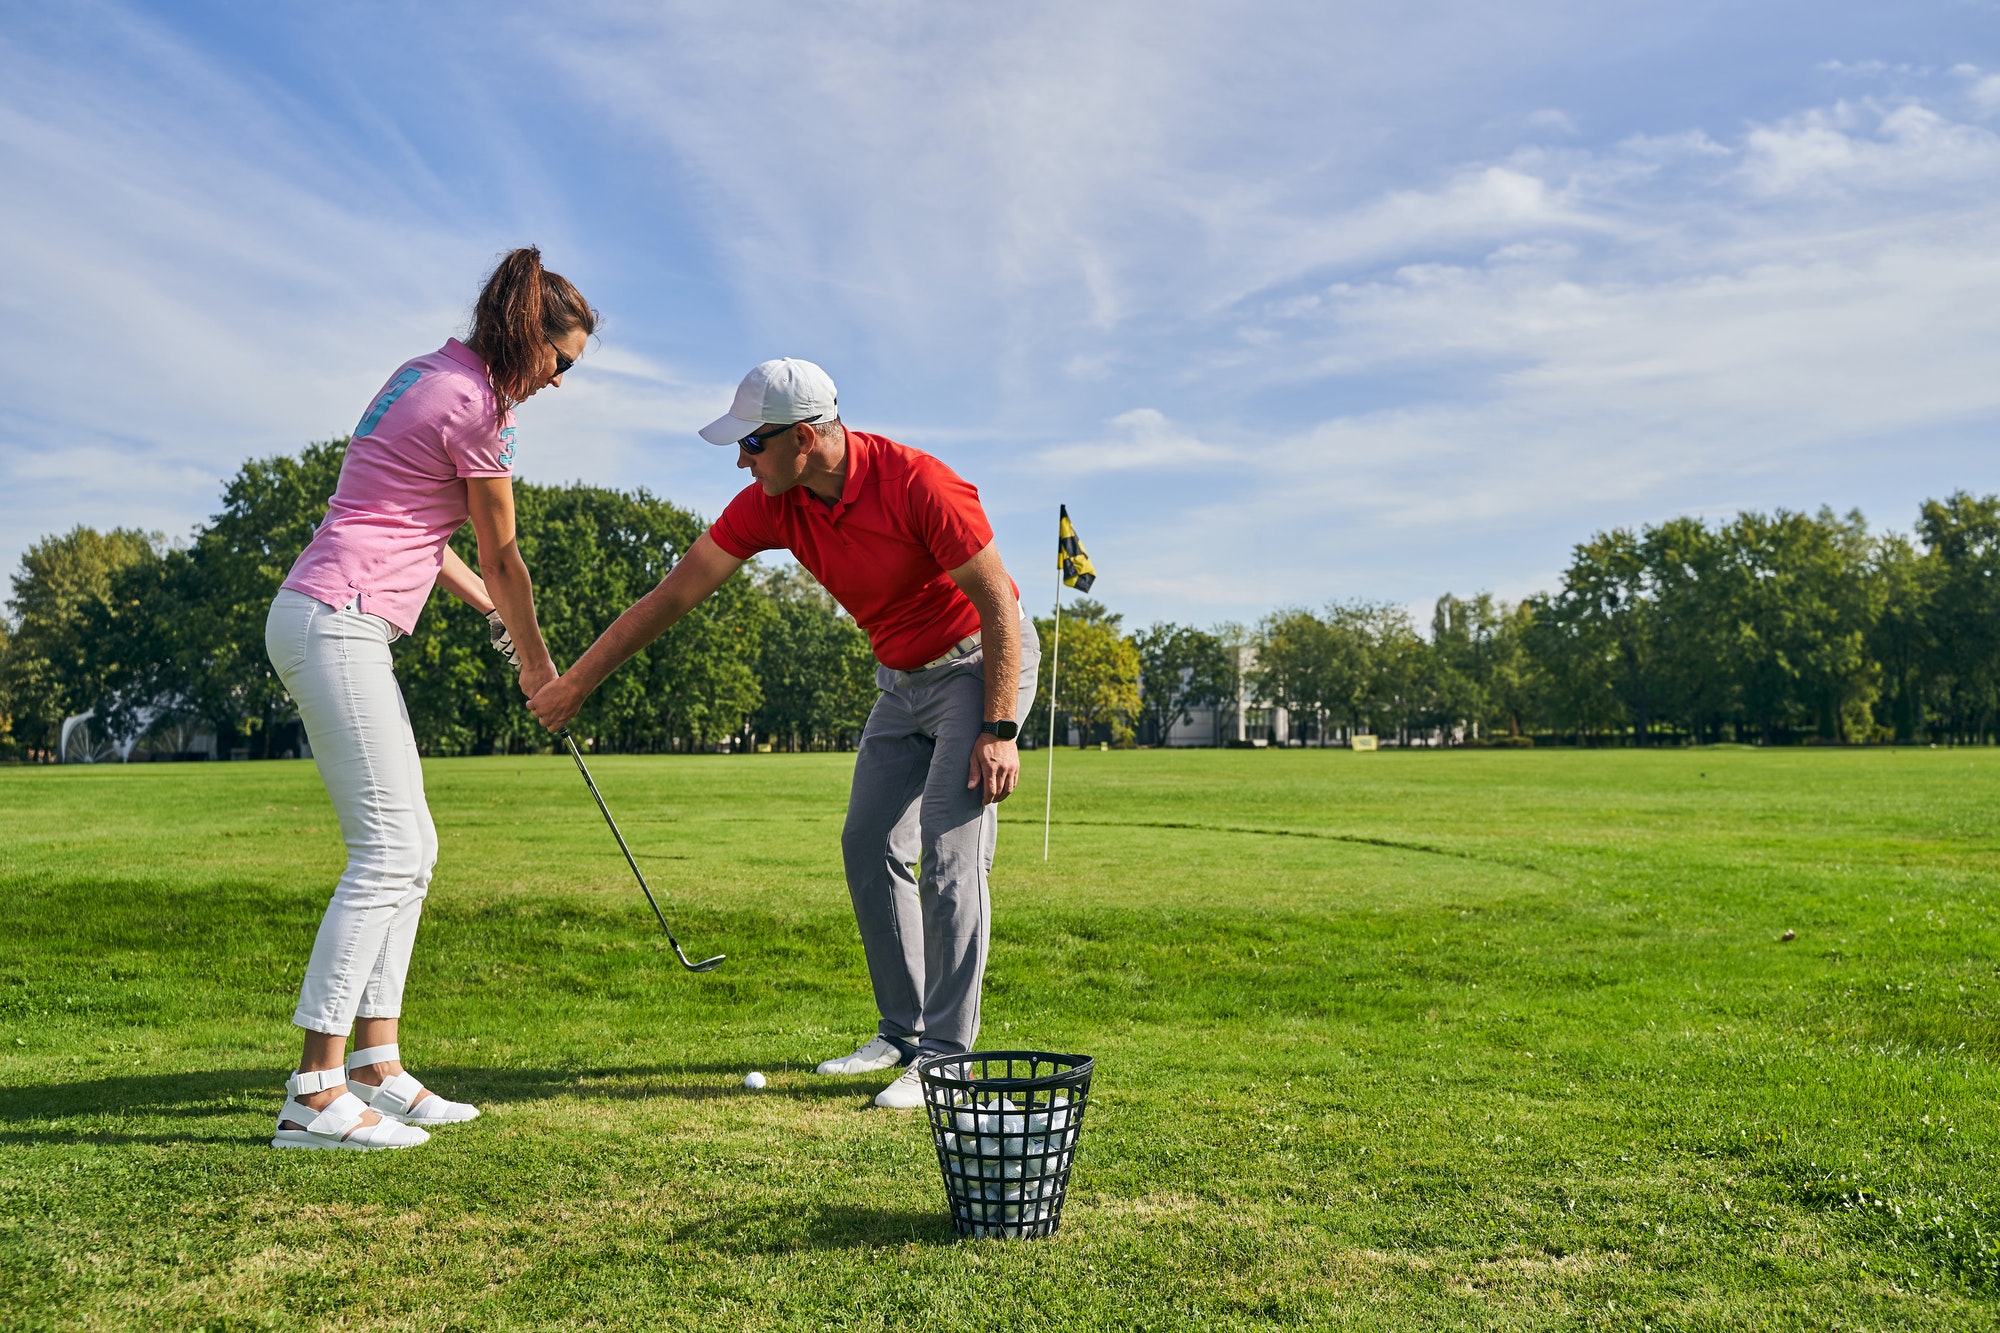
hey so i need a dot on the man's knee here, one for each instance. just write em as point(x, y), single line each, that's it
point(864, 849)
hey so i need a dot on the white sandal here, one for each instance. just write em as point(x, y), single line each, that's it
point(338, 1124)
point(397, 1096)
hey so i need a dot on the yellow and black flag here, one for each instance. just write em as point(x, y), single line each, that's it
point(1071, 558)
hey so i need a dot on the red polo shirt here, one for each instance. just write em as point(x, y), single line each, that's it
point(903, 519)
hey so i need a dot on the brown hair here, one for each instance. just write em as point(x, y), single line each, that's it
point(522, 307)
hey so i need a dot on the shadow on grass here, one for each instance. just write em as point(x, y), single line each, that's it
point(843, 1227)
point(233, 1092)
point(826, 1227)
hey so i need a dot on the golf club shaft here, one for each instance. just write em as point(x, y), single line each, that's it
point(637, 874)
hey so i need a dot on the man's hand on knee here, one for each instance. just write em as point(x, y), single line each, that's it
point(996, 768)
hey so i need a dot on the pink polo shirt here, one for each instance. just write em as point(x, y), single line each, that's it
point(402, 487)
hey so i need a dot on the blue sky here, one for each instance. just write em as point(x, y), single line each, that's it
point(1288, 302)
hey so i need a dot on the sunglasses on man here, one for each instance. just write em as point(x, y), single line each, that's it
point(754, 442)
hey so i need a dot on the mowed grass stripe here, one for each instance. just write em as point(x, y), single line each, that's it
point(1344, 1084)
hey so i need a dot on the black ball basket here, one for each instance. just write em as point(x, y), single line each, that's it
point(1006, 1124)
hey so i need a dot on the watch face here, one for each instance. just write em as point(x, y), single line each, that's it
point(1006, 731)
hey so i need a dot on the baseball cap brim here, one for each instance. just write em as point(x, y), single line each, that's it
point(729, 429)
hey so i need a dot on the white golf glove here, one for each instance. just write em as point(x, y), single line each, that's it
point(503, 643)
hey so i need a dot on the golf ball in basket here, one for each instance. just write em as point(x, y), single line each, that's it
point(753, 1079)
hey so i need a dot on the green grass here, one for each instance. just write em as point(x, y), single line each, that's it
point(1481, 1040)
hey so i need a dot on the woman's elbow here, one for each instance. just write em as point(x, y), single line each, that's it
point(504, 563)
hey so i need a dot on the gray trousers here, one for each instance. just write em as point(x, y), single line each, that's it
point(925, 934)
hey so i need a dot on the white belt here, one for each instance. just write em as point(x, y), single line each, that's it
point(961, 648)
point(957, 650)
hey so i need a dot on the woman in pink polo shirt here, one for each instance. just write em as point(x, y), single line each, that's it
point(435, 447)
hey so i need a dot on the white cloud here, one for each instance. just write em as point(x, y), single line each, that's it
point(1479, 205)
point(1141, 439)
point(1295, 300)
point(1984, 94)
point(1686, 343)
point(1832, 148)
point(195, 279)
point(1022, 188)
point(1659, 148)
point(1876, 69)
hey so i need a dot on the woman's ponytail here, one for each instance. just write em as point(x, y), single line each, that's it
point(523, 308)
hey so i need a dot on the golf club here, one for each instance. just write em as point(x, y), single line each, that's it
point(706, 964)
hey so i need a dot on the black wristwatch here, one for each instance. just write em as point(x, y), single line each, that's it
point(1006, 731)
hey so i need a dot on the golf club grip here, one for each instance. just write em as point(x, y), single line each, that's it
point(637, 874)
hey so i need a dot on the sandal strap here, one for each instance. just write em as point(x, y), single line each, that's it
point(397, 1094)
point(374, 1055)
point(304, 1083)
point(337, 1119)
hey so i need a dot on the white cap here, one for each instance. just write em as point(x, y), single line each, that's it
point(781, 391)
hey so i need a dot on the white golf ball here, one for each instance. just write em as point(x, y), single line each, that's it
point(753, 1079)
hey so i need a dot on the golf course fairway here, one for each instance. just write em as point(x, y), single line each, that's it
point(1485, 1040)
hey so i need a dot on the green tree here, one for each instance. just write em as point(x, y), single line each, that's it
point(52, 671)
point(1962, 617)
point(814, 666)
point(1801, 614)
point(1357, 664)
point(1695, 585)
point(1239, 659)
point(182, 632)
point(1397, 690)
point(1484, 677)
point(1098, 674)
point(1903, 639)
point(1600, 635)
point(9, 747)
point(1299, 668)
point(182, 635)
point(1181, 668)
point(592, 552)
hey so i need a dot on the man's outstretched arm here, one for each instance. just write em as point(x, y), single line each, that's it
point(700, 572)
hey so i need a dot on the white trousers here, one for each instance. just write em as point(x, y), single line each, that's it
point(335, 664)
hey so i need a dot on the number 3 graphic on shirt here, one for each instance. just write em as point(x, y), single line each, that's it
point(388, 399)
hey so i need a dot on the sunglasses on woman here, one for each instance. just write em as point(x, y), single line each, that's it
point(563, 363)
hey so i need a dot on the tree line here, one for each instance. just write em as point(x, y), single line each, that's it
point(151, 635)
point(1779, 628)
point(1772, 629)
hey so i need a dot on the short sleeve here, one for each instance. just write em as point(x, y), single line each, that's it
point(476, 446)
point(745, 527)
point(946, 514)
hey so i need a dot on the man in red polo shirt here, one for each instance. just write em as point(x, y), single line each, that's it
point(901, 542)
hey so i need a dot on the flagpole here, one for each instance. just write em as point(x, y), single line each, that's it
point(1055, 660)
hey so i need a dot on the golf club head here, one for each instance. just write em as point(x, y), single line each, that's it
point(705, 965)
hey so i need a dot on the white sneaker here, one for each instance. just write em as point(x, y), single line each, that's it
point(906, 1093)
point(879, 1053)
point(401, 1097)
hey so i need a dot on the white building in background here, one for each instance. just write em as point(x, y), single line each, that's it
point(1243, 721)
point(1246, 720)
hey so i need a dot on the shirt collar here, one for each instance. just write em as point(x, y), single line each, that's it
point(860, 458)
point(464, 355)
